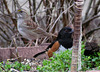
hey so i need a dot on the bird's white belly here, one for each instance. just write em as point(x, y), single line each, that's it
point(61, 49)
point(22, 33)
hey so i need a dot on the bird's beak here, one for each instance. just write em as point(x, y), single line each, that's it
point(17, 11)
point(71, 31)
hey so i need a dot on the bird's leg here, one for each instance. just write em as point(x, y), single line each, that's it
point(36, 44)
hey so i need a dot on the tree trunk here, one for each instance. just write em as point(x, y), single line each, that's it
point(76, 53)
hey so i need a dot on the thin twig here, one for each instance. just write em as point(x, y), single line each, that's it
point(30, 8)
point(96, 7)
point(88, 8)
point(3, 68)
point(14, 21)
point(60, 16)
point(90, 19)
point(3, 30)
point(24, 3)
point(33, 9)
point(15, 44)
point(65, 21)
point(6, 6)
point(90, 32)
point(4, 37)
point(44, 40)
point(4, 23)
point(13, 59)
point(38, 6)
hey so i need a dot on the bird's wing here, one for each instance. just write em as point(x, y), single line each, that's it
point(50, 45)
point(42, 32)
point(54, 48)
point(30, 24)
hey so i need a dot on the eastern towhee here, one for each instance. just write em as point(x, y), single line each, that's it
point(63, 41)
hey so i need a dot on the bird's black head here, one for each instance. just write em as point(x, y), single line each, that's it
point(65, 32)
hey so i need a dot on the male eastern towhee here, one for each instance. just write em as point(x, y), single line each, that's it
point(63, 41)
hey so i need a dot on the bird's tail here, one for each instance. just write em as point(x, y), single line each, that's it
point(39, 54)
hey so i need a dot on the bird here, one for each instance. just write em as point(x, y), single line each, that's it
point(28, 28)
point(63, 42)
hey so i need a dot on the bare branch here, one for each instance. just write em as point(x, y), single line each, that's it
point(33, 8)
point(2, 22)
point(60, 16)
point(65, 20)
point(90, 32)
point(14, 21)
point(4, 32)
point(4, 37)
point(30, 7)
point(90, 19)
point(6, 6)
point(38, 6)
point(15, 44)
point(86, 15)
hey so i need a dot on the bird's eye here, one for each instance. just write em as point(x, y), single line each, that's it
point(21, 11)
point(68, 30)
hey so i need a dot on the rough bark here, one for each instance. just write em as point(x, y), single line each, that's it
point(76, 53)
